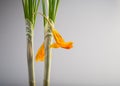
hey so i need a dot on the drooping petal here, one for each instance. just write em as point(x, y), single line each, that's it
point(54, 45)
point(60, 41)
point(58, 38)
point(40, 54)
point(67, 45)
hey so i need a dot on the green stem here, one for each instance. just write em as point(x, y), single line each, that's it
point(47, 65)
point(30, 53)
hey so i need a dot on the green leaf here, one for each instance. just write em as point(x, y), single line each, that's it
point(56, 9)
point(44, 11)
point(53, 9)
point(30, 8)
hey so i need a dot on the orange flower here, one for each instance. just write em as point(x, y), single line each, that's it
point(40, 54)
point(59, 43)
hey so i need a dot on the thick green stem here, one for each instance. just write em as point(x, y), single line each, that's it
point(47, 41)
point(30, 53)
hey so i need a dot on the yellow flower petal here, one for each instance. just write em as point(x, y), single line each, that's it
point(40, 54)
point(58, 38)
point(67, 45)
point(54, 45)
point(60, 41)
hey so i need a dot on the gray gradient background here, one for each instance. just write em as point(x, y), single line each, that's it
point(93, 25)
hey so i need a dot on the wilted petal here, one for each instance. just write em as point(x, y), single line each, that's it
point(60, 41)
point(54, 45)
point(58, 38)
point(67, 45)
point(40, 54)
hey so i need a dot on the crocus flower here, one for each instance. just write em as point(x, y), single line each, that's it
point(59, 42)
point(40, 54)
